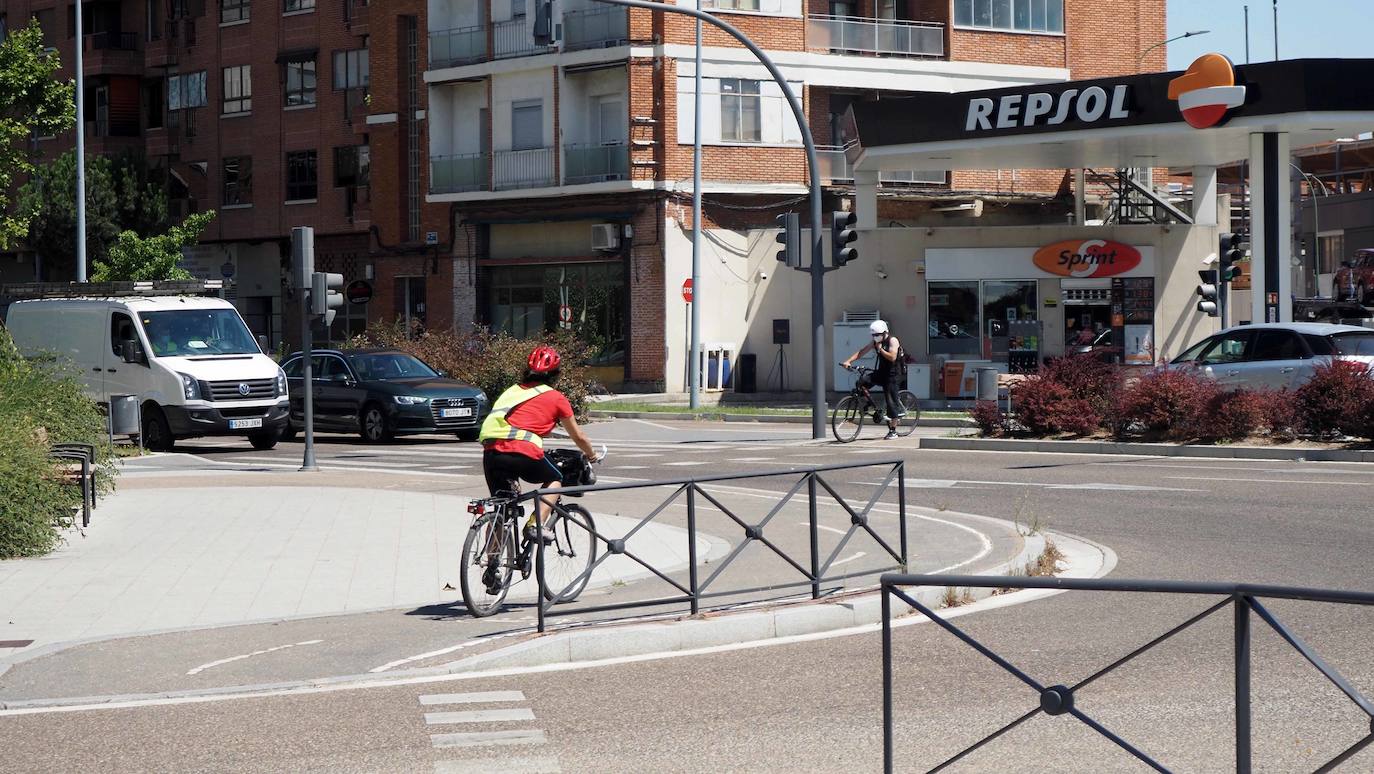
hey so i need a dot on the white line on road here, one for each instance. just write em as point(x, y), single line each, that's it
point(1271, 481)
point(751, 459)
point(848, 559)
point(688, 462)
point(231, 659)
point(499, 766)
point(479, 716)
point(655, 424)
point(489, 738)
point(476, 697)
point(441, 651)
point(451, 467)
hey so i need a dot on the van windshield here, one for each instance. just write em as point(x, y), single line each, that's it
point(193, 332)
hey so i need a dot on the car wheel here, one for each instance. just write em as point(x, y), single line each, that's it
point(265, 440)
point(469, 435)
point(157, 436)
point(372, 425)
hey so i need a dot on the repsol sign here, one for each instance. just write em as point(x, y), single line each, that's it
point(1012, 111)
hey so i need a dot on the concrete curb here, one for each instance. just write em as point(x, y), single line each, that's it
point(709, 416)
point(1148, 449)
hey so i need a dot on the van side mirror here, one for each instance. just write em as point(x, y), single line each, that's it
point(131, 351)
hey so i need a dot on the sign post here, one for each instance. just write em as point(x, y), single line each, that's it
point(687, 290)
point(303, 261)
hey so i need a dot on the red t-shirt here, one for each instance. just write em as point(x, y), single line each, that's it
point(537, 415)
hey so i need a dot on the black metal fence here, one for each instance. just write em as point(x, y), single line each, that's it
point(812, 570)
point(1243, 599)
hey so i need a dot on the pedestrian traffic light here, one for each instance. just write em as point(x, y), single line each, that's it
point(790, 239)
point(841, 234)
point(543, 22)
point(1208, 291)
point(324, 295)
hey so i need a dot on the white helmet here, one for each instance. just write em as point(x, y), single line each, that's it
point(877, 327)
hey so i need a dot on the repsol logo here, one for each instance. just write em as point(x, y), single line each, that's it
point(1087, 258)
point(1088, 105)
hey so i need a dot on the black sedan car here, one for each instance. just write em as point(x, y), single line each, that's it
point(382, 393)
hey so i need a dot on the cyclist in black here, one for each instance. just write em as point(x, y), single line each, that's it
point(889, 371)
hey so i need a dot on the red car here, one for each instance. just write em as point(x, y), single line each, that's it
point(1355, 279)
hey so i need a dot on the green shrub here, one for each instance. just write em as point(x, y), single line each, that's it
point(35, 502)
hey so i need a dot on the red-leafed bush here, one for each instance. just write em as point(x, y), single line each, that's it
point(988, 416)
point(1281, 420)
point(1090, 378)
point(1046, 407)
point(1336, 399)
point(1167, 403)
point(1234, 416)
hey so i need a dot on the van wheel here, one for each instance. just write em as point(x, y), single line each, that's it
point(372, 425)
point(264, 441)
point(157, 436)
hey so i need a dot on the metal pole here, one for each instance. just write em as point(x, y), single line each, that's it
point(539, 599)
point(1242, 640)
point(303, 264)
point(814, 522)
point(901, 509)
point(1276, 30)
point(692, 546)
point(694, 357)
point(1247, 34)
point(80, 150)
point(887, 680)
point(813, 173)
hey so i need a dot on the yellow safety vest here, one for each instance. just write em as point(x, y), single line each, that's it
point(496, 428)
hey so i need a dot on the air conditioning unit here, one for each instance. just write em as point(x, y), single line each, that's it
point(605, 236)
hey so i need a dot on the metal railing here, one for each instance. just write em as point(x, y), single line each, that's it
point(881, 37)
point(112, 41)
point(813, 570)
point(460, 46)
point(835, 169)
point(1242, 598)
point(532, 168)
point(596, 28)
point(595, 163)
point(512, 38)
point(460, 173)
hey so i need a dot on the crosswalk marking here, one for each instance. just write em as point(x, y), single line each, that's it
point(688, 462)
point(489, 738)
point(479, 716)
point(499, 766)
point(478, 697)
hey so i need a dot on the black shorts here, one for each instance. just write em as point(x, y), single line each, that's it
point(505, 470)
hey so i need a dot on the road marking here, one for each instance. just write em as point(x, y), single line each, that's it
point(479, 716)
point(655, 424)
point(1304, 470)
point(499, 766)
point(631, 467)
point(477, 697)
point(935, 483)
point(231, 659)
point(451, 467)
point(441, 651)
point(688, 462)
point(489, 738)
point(1271, 481)
point(751, 459)
point(822, 526)
point(849, 559)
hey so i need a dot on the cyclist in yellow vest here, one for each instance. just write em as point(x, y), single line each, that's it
point(513, 434)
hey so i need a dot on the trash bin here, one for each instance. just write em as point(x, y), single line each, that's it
point(124, 419)
point(986, 384)
point(748, 373)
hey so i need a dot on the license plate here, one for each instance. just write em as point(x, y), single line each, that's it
point(244, 424)
point(450, 413)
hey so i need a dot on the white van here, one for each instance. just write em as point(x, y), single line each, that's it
point(191, 361)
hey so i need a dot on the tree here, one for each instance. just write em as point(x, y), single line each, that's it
point(119, 197)
point(33, 103)
point(136, 258)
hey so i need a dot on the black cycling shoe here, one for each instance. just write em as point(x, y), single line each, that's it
point(489, 580)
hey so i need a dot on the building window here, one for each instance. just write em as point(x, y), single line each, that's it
point(739, 110)
point(238, 180)
point(732, 5)
point(351, 166)
point(4, 27)
point(517, 9)
point(300, 82)
point(1330, 252)
point(238, 89)
point(233, 11)
point(351, 70)
point(527, 125)
point(526, 301)
point(302, 176)
point(1018, 15)
point(298, 5)
point(47, 21)
point(186, 91)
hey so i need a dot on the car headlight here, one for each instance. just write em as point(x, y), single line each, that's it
point(281, 383)
point(411, 400)
point(481, 397)
point(189, 387)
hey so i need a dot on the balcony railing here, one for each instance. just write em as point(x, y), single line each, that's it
point(512, 38)
point(531, 168)
point(883, 37)
point(595, 163)
point(464, 45)
point(459, 174)
point(112, 41)
point(835, 169)
point(596, 28)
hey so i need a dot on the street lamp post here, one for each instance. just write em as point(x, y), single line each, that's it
point(1190, 34)
point(1316, 222)
point(80, 150)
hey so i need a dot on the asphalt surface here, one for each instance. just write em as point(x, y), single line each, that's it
point(816, 705)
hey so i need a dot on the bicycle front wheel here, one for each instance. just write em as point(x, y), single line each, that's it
point(568, 559)
point(911, 413)
point(847, 419)
point(487, 564)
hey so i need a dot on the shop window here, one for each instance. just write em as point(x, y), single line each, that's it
point(1018, 15)
point(586, 299)
point(740, 110)
point(302, 176)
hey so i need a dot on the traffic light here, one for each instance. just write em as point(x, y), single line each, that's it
point(324, 295)
point(1232, 253)
point(1208, 291)
point(790, 239)
point(543, 22)
point(841, 234)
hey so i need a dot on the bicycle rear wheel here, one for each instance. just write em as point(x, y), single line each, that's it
point(911, 413)
point(571, 554)
point(847, 419)
point(487, 564)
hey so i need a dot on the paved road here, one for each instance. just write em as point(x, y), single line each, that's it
point(814, 705)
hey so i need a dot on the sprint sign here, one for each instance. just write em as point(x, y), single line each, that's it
point(1087, 258)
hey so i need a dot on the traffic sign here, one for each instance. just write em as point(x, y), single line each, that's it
point(359, 292)
point(565, 313)
point(687, 290)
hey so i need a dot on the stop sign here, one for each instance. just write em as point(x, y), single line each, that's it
point(687, 290)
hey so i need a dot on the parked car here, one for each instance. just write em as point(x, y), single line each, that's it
point(1276, 355)
point(1355, 279)
point(382, 393)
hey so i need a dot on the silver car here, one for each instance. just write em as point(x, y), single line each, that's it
point(1276, 355)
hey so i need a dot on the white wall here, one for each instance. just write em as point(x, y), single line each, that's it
point(518, 87)
point(791, 8)
point(455, 14)
point(778, 125)
point(576, 96)
point(455, 125)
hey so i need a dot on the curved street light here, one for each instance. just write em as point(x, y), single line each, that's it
point(1190, 34)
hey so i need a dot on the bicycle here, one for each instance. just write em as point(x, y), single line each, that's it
point(847, 418)
point(495, 548)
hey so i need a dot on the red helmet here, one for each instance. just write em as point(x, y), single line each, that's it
point(544, 359)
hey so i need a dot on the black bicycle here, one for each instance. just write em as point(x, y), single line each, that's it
point(495, 550)
point(847, 418)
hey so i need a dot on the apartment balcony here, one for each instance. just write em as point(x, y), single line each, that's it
point(113, 53)
point(460, 46)
point(875, 37)
point(532, 168)
point(595, 163)
point(460, 174)
point(512, 38)
point(835, 170)
point(596, 28)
